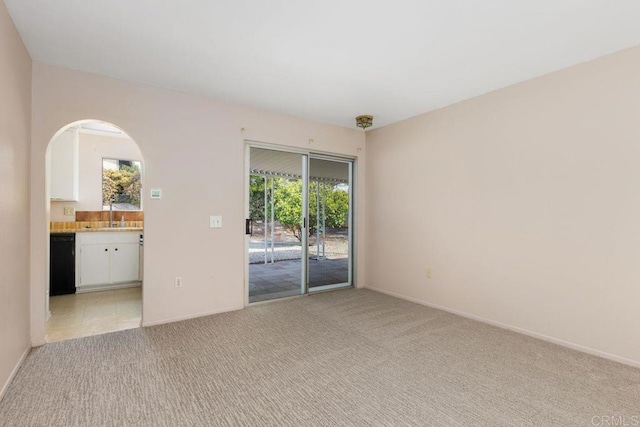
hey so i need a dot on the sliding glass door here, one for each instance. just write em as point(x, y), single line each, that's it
point(299, 224)
point(329, 255)
point(276, 225)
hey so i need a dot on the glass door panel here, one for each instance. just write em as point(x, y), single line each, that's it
point(277, 230)
point(330, 208)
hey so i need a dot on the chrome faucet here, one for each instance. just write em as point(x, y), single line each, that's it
point(111, 199)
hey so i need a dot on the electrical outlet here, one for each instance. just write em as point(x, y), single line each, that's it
point(215, 221)
point(428, 272)
point(68, 211)
point(178, 282)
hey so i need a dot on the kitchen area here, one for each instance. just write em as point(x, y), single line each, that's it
point(96, 232)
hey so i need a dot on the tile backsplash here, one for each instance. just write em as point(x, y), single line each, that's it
point(104, 215)
point(99, 219)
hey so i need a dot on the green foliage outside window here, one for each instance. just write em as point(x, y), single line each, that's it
point(122, 186)
point(288, 203)
point(288, 206)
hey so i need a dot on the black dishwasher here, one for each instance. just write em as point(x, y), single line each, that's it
point(62, 264)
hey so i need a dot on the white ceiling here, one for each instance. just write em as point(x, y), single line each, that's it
point(327, 60)
point(102, 128)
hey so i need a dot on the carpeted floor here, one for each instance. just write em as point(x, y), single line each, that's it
point(352, 357)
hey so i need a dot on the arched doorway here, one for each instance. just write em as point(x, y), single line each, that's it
point(94, 181)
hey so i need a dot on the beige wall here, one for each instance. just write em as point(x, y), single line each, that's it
point(525, 204)
point(15, 122)
point(193, 150)
point(92, 149)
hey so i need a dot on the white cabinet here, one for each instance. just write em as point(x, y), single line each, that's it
point(125, 262)
point(65, 166)
point(95, 264)
point(106, 258)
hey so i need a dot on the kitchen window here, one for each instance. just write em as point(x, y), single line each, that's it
point(121, 184)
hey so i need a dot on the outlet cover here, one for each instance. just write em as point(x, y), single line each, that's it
point(215, 221)
point(69, 211)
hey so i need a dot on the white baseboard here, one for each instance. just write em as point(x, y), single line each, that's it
point(98, 288)
point(190, 316)
point(5, 386)
point(563, 343)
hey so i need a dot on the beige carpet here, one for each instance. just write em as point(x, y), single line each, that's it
point(351, 357)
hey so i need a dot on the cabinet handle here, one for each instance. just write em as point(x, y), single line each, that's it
point(106, 250)
point(116, 249)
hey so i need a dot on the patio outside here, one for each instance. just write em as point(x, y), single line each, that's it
point(275, 260)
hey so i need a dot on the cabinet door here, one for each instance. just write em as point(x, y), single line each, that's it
point(125, 262)
point(65, 166)
point(94, 264)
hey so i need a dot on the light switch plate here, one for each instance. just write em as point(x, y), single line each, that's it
point(215, 221)
point(155, 193)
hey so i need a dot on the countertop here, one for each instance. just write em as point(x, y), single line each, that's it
point(95, 230)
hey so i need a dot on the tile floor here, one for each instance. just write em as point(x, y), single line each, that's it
point(93, 313)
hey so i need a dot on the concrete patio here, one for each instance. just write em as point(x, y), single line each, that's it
point(283, 278)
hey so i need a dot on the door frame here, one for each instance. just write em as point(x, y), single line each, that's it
point(248, 145)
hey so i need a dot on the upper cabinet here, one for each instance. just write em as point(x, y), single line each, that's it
point(65, 166)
